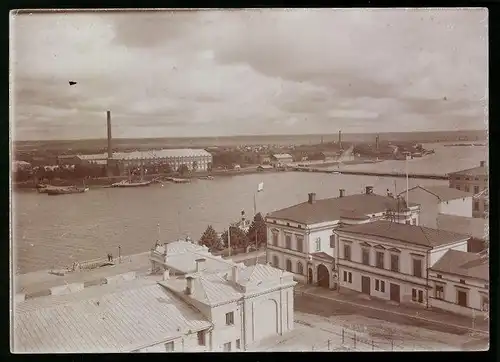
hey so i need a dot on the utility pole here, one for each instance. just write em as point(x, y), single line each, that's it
point(229, 239)
point(407, 183)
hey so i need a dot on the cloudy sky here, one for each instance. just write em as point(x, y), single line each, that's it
point(217, 73)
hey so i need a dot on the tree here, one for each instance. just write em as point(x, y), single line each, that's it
point(195, 165)
point(257, 232)
point(210, 239)
point(238, 238)
point(183, 169)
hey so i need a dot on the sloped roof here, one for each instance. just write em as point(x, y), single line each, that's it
point(104, 319)
point(475, 171)
point(181, 152)
point(333, 208)
point(463, 264)
point(411, 234)
point(473, 226)
point(444, 193)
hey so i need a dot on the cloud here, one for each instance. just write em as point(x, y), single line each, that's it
point(202, 73)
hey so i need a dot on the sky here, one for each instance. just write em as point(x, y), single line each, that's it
point(272, 71)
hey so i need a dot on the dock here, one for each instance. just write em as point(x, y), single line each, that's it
point(379, 174)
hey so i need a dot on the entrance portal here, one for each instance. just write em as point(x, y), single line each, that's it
point(310, 276)
point(323, 276)
point(365, 285)
point(395, 292)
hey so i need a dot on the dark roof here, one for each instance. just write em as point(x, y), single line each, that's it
point(463, 264)
point(476, 171)
point(333, 208)
point(444, 193)
point(473, 226)
point(411, 234)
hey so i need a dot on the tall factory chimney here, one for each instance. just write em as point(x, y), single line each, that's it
point(340, 139)
point(110, 149)
point(377, 142)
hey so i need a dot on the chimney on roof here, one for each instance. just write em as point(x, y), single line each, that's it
point(199, 264)
point(243, 215)
point(482, 163)
point(369, 190)
point(312, 198)
point(189, 285)
point(341, 192)
point(235, 274)
point(340, 139)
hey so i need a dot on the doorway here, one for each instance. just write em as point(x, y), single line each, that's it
point(310, 276)
point(323, 276)
point(395, 292)
point(365, 285)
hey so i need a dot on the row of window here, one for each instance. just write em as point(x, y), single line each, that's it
point(467, 188)
point(170, 346)
point(461, 297)
point(289, 266)
point(228, 346)
point(380, 260)
point(299, 241)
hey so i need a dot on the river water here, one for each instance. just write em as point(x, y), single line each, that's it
point(55, 231)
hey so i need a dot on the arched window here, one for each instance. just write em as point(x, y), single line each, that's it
point(300, 268)
point(276, 262)
point(288, 265)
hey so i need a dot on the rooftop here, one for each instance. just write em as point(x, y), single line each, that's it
point(108, 318)
point(351, 206)
point(410, 234)
point(472, 226)
point(475, 171)
point(169, 153)
point(443, 192)
point(463, 264)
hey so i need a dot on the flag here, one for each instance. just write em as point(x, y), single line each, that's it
point(260, 187)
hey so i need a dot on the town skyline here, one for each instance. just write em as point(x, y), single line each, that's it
point(232, 73)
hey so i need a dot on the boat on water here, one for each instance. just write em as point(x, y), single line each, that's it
point(130, 183)
point(206, 178)
point(52, 191)
point(178, 180)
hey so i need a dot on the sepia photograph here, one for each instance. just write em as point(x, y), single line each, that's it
point(249, 180)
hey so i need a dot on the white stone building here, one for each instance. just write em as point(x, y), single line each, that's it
point(392, 260)
point(435, 200)
point(301, 238)
point(460, 283)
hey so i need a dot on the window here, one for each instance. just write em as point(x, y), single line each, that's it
point(377, 284)
point(417, 295)
point(382, 286)
point(462, 281)
point(169, 346)
point(201, 338)
point(439, 292)
point(288, 241)
point(318, 244)
point(439, 276)
point(380, 259)
point(299, 226)
point(276, 262)
point(407, 222)
point(275, 238)
point(414, 221)
point(227, 347)
point(395, 263)
point(288, 265)
point(485, 303)
point(347, 277)
point(476, 205)
point(347, 252)
point(300, 268)
point(229, 318)
point(300, 243)
point(466, 188)
point(457, 187)
point(420, 296)
point(417, 268)
point(332, 241)
point(476, 189)
point(414, 295)
point(287, 224)
point(462, 298)
point(238, 344)
point(365, 256)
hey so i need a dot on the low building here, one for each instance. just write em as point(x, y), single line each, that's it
point(435, 200)
point(476, 228)
point(281, 159)
point(245, 304)
point(460, 283)
point(301, 238)
point(391, 261)
point(481, 203)
point(264, 167)
point(473, 180)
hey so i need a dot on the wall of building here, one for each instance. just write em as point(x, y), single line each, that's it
point(436, 253)
point(476, 290)
point(223, 333)
point(429, 206)
point(459, 207)
point(474, 185)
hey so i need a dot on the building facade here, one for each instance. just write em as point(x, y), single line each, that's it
point(435, 200)
point(302, 239)
point(473, 180)
point(281, 159)
point(391, 260)
point(460, 284)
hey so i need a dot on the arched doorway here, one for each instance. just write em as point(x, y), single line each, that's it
point(323, 276)
point(310, 276)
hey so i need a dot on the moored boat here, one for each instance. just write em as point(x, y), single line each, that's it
point(206, 177)
point(66, 190)
point(127, 183)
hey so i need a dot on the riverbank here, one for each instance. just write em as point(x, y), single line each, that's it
point(377, 174)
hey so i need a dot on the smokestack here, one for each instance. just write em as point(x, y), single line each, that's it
point(235, 274)
point(189, 285)
point(482, 163)
point(341, 192)
point(110, 149)
point(312, 198)
point(340, 139)
point(377, 142)
point(199, 264)
point(369, 190)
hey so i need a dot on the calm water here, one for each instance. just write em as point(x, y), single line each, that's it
point(55, 231)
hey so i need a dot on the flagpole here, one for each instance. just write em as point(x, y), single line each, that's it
point(229, 239)
point(254, 203)
point(407, 184)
